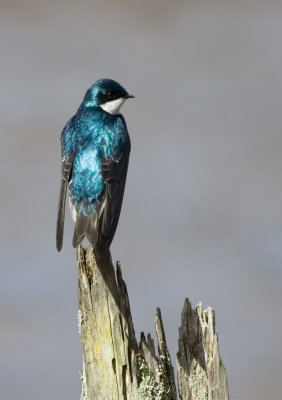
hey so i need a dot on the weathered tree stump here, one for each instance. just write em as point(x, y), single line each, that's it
point(116, 367)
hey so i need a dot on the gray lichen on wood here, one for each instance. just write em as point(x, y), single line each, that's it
point(156, 375)
point(115, 367)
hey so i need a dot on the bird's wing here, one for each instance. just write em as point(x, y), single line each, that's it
point(67, 162)
point(114, 173)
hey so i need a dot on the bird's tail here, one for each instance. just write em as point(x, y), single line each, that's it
point(85, 226)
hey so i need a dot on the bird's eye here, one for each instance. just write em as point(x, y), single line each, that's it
point(111, 95)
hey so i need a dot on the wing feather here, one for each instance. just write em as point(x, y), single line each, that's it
point(66, 173)
point(114, 173)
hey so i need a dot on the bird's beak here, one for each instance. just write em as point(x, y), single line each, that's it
point(128, 96)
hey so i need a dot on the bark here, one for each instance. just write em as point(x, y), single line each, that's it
point(116, 367)
point(200, 370)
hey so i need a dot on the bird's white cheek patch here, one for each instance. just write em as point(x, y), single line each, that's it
point(113, 106)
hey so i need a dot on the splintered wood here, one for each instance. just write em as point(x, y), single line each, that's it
point(116, 367)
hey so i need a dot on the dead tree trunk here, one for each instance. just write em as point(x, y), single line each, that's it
point(116, 367)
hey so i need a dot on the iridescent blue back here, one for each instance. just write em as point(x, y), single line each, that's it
point(92, 135)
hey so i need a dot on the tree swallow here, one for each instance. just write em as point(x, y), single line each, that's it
point(95, 148)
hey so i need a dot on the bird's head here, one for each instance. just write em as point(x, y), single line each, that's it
point(108, 94)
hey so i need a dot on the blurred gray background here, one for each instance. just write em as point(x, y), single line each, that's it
point(202, 214)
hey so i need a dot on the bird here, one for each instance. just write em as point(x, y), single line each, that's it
point(95, 149)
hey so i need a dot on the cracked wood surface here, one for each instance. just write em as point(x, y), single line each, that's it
point(106, 330)
point(115, 367)
point(200, 370)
